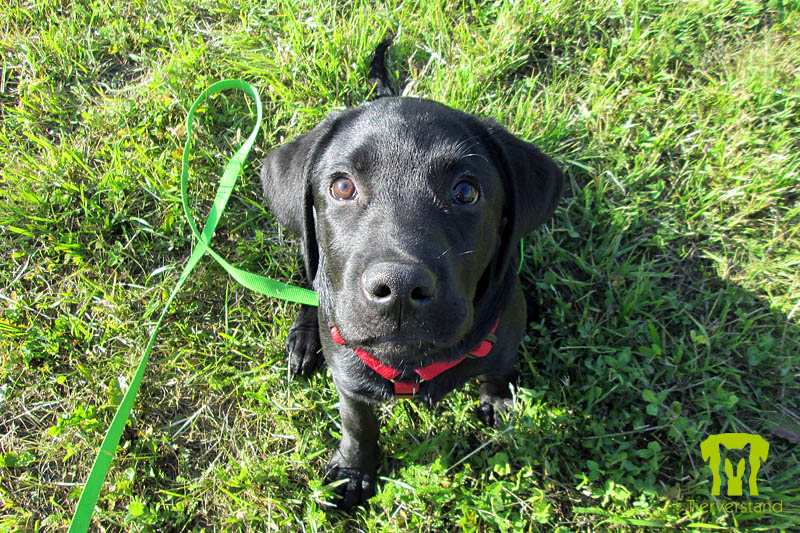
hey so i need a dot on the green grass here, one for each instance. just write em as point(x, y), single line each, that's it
point(667, 280)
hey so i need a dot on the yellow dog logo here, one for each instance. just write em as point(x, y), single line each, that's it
point(734, 441)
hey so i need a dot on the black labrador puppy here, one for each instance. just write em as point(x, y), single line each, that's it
point(410, 214)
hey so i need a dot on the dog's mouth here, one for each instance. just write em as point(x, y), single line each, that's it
point(400, 348)
point(426, 363)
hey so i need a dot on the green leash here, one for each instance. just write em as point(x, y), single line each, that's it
point(83, 513)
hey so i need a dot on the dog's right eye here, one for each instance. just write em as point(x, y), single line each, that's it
point(343, 189)
point(465, 193)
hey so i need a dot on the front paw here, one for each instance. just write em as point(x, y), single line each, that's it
point(302, 344)
point(352, 486)
point(304, 351)
point(494, 411)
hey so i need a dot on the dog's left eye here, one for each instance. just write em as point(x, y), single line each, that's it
point(343, 189)
point(465, 193)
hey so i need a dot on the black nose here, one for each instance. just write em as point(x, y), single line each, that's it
point(391, 284)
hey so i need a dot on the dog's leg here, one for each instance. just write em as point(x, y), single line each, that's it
point(302, 343)
point(495, 391)
point(355, 460)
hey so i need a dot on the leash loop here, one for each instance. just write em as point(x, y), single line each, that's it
point(255, 282)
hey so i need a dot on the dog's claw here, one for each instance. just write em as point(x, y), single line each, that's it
point(354, 488)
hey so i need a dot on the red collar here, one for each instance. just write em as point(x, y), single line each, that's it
point(409, 388)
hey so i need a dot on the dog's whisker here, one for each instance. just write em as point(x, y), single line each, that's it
point(477, 155)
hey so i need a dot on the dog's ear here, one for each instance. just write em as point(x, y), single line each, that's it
point(285, 181)
point(532, 183)
point(285, 175)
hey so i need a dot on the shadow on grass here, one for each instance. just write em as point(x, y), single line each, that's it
point(645, 351)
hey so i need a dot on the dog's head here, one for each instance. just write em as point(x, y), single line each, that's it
point(411, 214)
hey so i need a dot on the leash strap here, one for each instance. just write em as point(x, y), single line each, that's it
point(83, 513)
